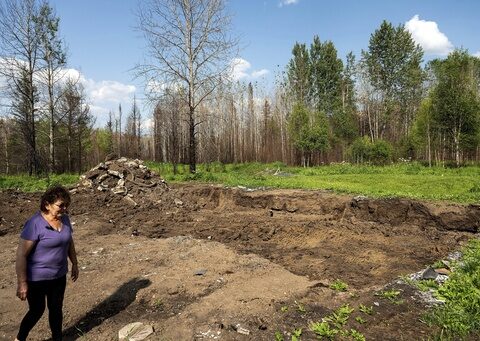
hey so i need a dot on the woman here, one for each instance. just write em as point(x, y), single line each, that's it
point(42, 265)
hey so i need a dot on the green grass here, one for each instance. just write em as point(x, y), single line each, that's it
point(459, 317)
point(414, 181)
point(27, 183)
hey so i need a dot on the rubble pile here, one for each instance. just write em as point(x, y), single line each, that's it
point(124, 177)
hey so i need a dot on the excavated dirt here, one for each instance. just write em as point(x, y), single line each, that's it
point(207, 262)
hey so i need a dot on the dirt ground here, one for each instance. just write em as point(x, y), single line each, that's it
point(207, 262)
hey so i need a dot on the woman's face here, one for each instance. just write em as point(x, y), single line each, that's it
point(57, 209)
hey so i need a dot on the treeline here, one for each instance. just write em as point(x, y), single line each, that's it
point(384, 107)
point(380, 107)
point(47, 122)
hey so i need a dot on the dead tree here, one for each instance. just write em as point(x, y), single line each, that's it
point(189, 46)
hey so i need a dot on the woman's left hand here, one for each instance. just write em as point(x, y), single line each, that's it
point(74, 272)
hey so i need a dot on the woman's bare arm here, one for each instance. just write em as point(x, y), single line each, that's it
point(23, 250)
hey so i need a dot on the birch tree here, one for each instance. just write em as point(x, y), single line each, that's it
point(19, 62)
point(53, 57)
point(188, 45)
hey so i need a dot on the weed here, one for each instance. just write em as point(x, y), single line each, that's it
point(284, 309)
point(357, 336)
point(339, 285)
point(323, 329)
point(425, 285)
point(366, 310)
point(458, 317)
point(278, 336)
point(296, 334)
point(390, 295)
point(438, 264)
point(157, 304)
point(360, 320)
point(340, 317)
point(301, 308)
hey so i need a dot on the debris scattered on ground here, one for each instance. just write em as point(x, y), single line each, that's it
point(239, 329)
point(200, 272)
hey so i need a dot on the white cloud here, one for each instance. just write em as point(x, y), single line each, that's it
point(259, 73)
point(287, 2)
point(428, 36)
point(147, 124)
point(240, 70)
point(105, 96)
point(477, 54)
point(110, 91)
point(102, 96)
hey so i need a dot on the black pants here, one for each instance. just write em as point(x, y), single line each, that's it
point(54, 291)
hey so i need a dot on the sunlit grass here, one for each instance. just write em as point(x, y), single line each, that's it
point(413, 181)
point(410, 180)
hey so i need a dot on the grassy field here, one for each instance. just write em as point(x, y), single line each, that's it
point(409, 180)
point(461, 185)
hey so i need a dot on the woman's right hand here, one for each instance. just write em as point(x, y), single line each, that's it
point(22, 289)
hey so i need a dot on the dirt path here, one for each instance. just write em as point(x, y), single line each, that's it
point(205, 262)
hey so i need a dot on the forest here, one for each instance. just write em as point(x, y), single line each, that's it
point(383, 106)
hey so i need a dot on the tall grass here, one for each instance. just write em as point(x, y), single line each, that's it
point(409, 180)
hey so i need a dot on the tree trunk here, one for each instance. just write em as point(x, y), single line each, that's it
point(192, 146)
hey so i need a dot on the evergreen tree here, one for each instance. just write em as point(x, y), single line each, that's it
point(325, 77)
point(298, 73)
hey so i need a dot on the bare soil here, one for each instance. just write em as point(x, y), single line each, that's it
point(208, 262)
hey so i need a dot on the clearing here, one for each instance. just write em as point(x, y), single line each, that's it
point(209, 262)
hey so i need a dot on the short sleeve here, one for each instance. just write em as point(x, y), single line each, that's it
point(30, 230)
point(66, 221)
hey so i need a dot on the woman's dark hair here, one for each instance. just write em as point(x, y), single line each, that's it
point(53, 194)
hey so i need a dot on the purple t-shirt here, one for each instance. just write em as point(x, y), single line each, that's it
point(48, 258)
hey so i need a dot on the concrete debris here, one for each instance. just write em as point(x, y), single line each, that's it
point(428, 298)
point(135, 331)
point(200, 272)
point(429, 273)
point(129, 200)
point(121, 177)
point(243, 331)
point(239, 329)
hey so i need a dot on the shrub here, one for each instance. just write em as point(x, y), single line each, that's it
point(360, 149)
point(381, 152)
point(363, 150)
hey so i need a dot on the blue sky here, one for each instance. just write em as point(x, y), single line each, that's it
point(103, 44)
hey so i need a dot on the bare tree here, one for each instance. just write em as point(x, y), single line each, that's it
point(188, 46)
point(19, 62)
